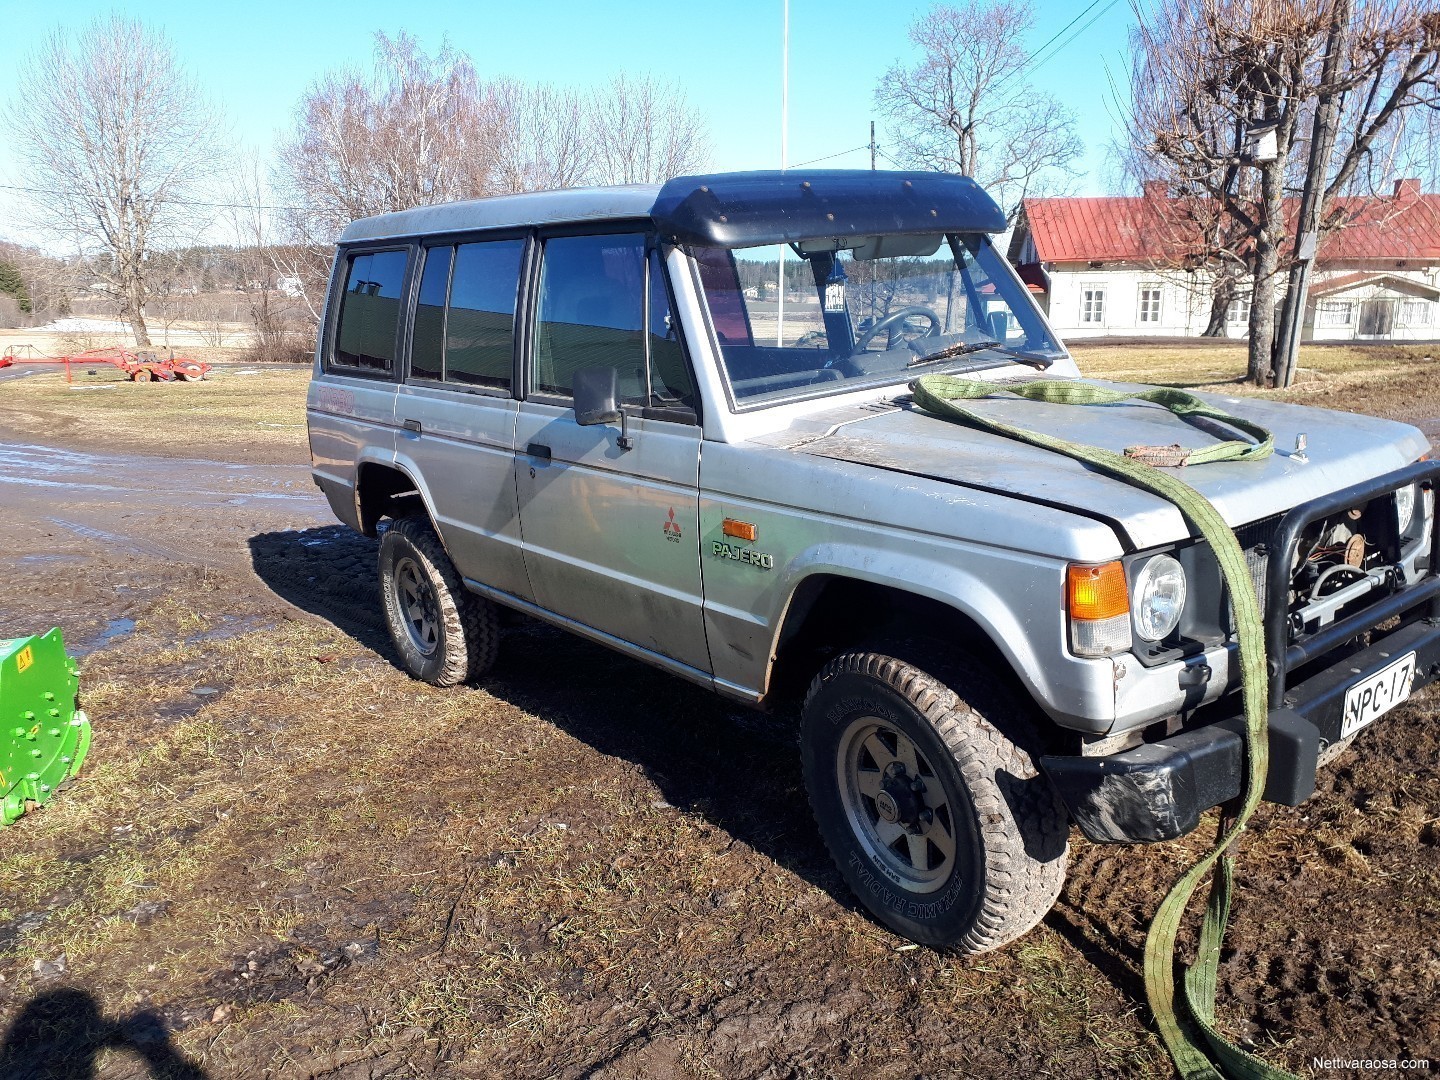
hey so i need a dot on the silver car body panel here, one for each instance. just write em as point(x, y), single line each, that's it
point(352, 423)
point(463, 462)
point(611, 535)
point(1343, 449)
point(507, 212)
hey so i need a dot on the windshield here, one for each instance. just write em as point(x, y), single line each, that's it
point(877, 309)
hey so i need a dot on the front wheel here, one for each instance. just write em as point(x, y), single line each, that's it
point(444, 633)
point(943, 827)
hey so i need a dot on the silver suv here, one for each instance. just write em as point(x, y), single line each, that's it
point(676, 421)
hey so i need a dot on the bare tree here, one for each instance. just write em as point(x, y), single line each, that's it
point(49, 282)
point(1333, 82)
point(275, 294)
point(411, 131)
point(115, 138)
point(644, 132)
point(966, 105)
point(542, 137)
point(420, 129)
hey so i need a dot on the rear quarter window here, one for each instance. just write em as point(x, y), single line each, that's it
point(366, 329)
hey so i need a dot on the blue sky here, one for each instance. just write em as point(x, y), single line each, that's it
point(257, 57)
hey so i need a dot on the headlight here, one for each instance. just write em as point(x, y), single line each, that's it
point(1405, 506)
point(1159, 598)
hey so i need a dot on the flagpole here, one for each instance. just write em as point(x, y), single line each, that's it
point(784, 148)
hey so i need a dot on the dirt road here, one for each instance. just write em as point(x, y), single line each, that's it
point(285, 858)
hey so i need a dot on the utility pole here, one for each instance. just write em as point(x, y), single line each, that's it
point(872, 145)
point(1312, 201)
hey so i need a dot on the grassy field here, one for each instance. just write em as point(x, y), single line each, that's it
point(237, 413)
point(1378, 379)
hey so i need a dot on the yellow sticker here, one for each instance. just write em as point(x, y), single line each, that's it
point(24, 658)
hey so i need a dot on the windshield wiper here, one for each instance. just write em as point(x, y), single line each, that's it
point(952, 351)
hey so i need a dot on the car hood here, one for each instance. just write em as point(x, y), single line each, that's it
point(1341, 449)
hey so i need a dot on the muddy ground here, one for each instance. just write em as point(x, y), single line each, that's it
point(286, 858)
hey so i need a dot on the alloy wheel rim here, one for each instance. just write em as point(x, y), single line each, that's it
point(419, 609)
point(896, 804)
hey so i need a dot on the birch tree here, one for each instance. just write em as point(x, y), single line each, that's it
point(644, 131)
point(116, 141)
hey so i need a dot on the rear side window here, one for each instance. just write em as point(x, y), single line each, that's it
point(465, 313)
point(427, 341)
point(480, 324)
point(370, 311)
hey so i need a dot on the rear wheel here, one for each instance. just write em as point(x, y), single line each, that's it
point(942, 825)
point(140, 375)
point(444, 633)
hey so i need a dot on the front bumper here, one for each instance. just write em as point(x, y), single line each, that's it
point(1157, 791)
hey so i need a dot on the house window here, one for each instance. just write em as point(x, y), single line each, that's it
point(1415, 313)
point(1238, 310)
point(1092, 305)
point(1150, 303)
point(1335, 313)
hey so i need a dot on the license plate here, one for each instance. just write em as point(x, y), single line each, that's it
point(1375, 695)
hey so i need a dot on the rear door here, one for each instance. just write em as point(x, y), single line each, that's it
point(351, 404)
point(611, 534)
point(456, 409)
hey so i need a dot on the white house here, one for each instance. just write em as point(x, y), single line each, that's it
point(1117, 267)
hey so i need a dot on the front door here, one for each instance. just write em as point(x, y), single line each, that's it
point(1377, 318)
point(611, 535)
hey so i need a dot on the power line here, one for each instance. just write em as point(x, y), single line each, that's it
point(1041, 63)
point(827, 157)
point(1061, 32)
point(173, 202)
point(1038, 59)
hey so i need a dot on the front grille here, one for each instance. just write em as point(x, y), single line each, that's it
point(1255, 540)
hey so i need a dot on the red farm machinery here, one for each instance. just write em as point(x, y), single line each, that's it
point(139, 366)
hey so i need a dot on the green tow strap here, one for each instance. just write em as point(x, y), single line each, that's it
point(1211, 1056)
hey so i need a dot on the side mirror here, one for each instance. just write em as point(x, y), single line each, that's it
point(596, 392)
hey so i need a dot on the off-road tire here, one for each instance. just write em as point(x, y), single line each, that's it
point(467, 627)
point(1011, 828)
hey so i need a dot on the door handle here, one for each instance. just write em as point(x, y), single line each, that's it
point(412, 425)
point(538, 450)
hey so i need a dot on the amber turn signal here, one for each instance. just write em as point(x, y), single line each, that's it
point(741, 530)
point(1097, 592)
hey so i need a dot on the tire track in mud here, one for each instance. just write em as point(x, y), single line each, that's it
point(115, 542)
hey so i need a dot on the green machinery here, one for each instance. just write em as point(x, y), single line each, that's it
point(43, 736)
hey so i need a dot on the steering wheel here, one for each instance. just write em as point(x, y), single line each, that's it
point(897, 316)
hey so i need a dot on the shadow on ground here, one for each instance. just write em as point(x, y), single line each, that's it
point(738, 769)
point(60, 1034)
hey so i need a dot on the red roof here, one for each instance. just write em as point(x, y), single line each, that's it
point(1148, 228)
